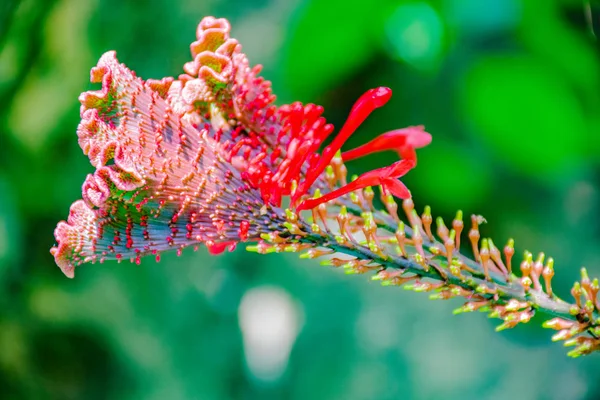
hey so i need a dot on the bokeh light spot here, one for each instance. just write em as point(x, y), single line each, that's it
point(415, 33)
point(476, 17)
point(270, 321)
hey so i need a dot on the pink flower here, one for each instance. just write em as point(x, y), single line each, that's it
point(206, 158)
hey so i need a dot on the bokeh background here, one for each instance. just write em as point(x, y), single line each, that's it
point(510, 90)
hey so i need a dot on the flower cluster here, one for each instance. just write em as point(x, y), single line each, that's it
point(205, 158)
point(208, 158)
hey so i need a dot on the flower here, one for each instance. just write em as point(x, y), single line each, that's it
point(207, 157)
point(160, 181)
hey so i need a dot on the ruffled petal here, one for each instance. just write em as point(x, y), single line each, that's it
point(160, 182)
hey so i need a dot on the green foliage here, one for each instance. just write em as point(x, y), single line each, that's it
point(523, 97)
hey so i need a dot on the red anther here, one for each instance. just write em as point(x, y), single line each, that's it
point(243, 230)
point(395, 187)
point(403, 141)
point(364, 106)
point(219, 248)
point(386, 177)
point(397, 169)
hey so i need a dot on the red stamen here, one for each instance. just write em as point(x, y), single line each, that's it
point(386, 177)
point(243, 230)
point(365, 105)
point(220, 247)
point(397, 188)
point(403, 141)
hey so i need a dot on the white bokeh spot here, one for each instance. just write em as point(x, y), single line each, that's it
point(269, 320)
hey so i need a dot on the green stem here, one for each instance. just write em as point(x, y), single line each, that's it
point(505, 289)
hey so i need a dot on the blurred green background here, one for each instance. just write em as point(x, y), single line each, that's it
point(510, 90)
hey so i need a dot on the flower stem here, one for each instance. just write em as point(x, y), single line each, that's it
point(422, 264)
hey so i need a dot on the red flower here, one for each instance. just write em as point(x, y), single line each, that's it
point(206, 158)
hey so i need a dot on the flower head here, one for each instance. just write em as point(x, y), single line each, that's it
point(161, 182)
point(207, 157)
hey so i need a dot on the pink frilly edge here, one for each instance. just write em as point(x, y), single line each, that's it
point(102, 136)
point(73, 236)
point(102, 139)
point(218, 60)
